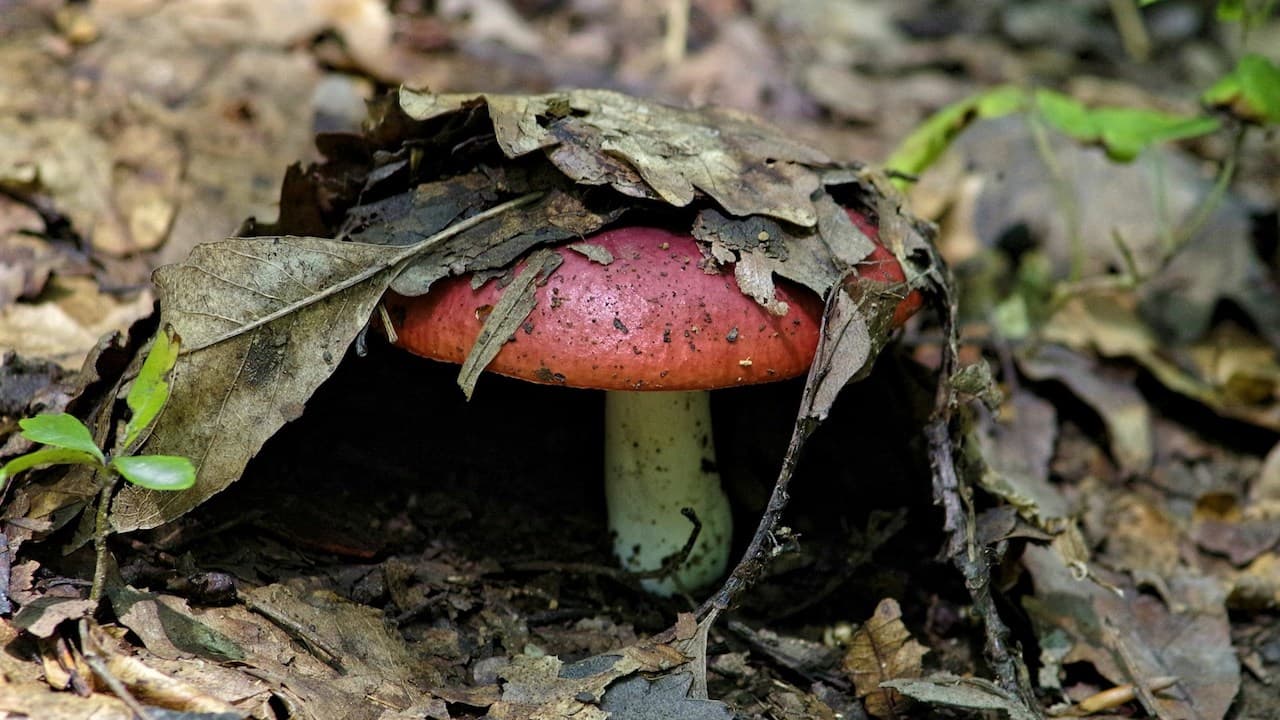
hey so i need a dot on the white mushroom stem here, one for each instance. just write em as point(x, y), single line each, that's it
point(659, 458)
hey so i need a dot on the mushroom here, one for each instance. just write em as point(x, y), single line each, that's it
point(656, 332)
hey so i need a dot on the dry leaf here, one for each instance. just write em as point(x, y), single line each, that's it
point(242, 374)
point(507, 315)
point(743, 164)
point(883, 649)
point(964, 692)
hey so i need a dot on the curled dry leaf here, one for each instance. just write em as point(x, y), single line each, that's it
point(883, 649)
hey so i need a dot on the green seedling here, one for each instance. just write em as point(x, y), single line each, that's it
point(1251, 91)
point(67, 441)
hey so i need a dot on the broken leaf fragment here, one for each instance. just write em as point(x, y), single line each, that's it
point(545, 688)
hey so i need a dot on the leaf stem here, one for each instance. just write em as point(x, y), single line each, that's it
point(102, 530)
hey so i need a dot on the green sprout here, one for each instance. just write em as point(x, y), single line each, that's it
point(67, 441)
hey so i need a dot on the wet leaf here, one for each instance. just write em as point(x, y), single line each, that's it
point(883, 649)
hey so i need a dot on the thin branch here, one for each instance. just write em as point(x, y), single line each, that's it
point(952, 494)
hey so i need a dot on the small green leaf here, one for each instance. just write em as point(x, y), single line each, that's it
point(1251, 91)
point(1144, 3)
point(150, 389)
point(1126, 132)
point(931, 138)
point(156, 472)
point(44, 456)
point(1230, 10)
point(62, 431)
point(1067, 114)
point(1123, 132)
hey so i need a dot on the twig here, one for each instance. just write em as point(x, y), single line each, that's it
point(756, 557)
point(952, 495)
point(100, 671)
point(676, 38)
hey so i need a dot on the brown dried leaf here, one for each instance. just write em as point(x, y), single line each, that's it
point(883, 649)
point(41, 616)
point(1220, 524)
point(66, 328)
point(1108, 390)
point(1016, 450)
point(145, 682)
point(1110, 326)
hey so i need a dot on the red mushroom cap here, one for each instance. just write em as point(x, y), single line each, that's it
point(652, 319)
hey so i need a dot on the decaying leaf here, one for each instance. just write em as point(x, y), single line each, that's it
point(1109, 391)
point(41, 616)
point(1017, 447)
point(1110, 326)
point(507, 315)
point(883, 649)
point(638, 698)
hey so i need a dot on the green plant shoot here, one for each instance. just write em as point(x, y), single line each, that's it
point(67, 441)
point(1251, 91)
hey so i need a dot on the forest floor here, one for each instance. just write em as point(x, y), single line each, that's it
point(400, 552)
